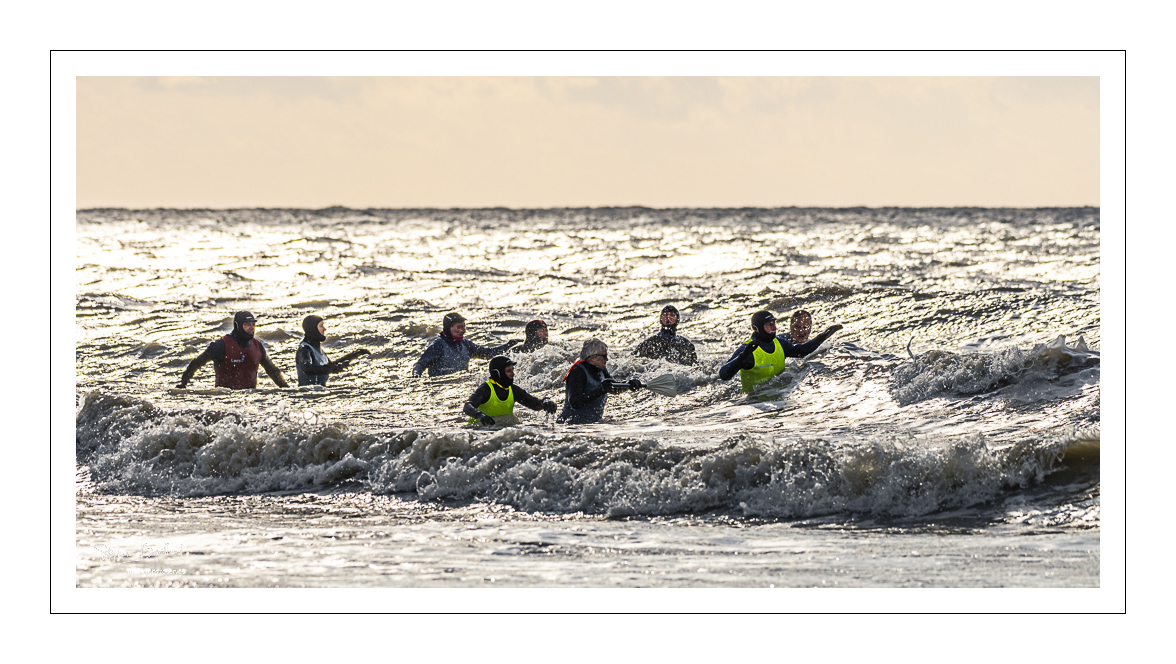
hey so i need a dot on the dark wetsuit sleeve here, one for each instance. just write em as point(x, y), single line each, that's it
point(479, 397)
point(271, 370)
point(741, 359)
point(806, 348)
point(214, 353)
point(484, 353)
point(431, 355)
point(688, 354)
point(527, 399)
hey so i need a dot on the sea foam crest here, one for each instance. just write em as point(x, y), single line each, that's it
point(132, 446)
point(944, 374)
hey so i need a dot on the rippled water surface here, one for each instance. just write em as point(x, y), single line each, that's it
point(955, 414)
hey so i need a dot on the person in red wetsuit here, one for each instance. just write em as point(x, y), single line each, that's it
point(235, 358)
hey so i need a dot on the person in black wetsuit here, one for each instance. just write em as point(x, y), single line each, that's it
point(762, 356)
point(498, 395)
point(588, 384)
point(535, 336)
point(450, 352)
point(235, 358)
point(312, 363)
point(668, 344)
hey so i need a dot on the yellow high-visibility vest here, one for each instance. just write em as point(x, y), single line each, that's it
point(767, 365)
point(496, 407)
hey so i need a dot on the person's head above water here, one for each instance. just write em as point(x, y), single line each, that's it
point(502, 370)
point(315, 329)
point(594, 352)
point(669, 319)
point(800, 327)
point(453, 326)
point(536, 333)
point(244, 325)
point(764, 324)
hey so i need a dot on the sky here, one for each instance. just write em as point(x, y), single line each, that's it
point(586, 141)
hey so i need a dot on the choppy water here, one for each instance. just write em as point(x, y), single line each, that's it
point(864, 465)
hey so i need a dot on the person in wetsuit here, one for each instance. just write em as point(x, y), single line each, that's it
point(668, 344)
point(497, 396)
point(450, 352)
point(762, 356)
point(235, 358)
point(588, 384)
point(312, 363)
point(535, 336)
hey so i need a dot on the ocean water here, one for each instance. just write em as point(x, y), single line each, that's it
point(947, 437)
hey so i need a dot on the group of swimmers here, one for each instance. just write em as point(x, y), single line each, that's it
point(587, 383)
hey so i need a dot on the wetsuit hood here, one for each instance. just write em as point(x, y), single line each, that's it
point(447, 324)
point(669, 330)
point(532, 340)
point(758, 320)
point(498, 365)
point(310, 328)
point(239, 334)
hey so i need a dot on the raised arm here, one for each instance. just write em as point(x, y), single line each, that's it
point(484, 353)
point(808, 347)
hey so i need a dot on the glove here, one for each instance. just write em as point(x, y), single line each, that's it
point(832, 329)
point(548, 405)
point(486, 420)
point(182, 385)
point(613, 387)
point(634, 384)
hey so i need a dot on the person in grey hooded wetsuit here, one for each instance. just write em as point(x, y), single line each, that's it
point(313, 364)
point(450, 352)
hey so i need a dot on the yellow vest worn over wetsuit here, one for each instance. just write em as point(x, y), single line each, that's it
point(496, 407)
point(767, 365)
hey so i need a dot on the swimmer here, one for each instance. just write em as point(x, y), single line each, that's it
point(588, 384)
point(235, 358)
point(762, 356)
point(667, 344)
point(535, 336)
point(450, 352)
point(497, 396)
point(312, 363)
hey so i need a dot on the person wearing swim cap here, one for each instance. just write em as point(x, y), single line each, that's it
point(587, 385)
point(450, 352)
point(761, 357)
point(496, 397)
point(668, 344)
point(235, 358)
point(312, 363)
point(534, 336)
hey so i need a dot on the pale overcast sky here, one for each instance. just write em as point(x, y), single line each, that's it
point(519, 142)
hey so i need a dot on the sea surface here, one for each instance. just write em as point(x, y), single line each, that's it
point(948, 436)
